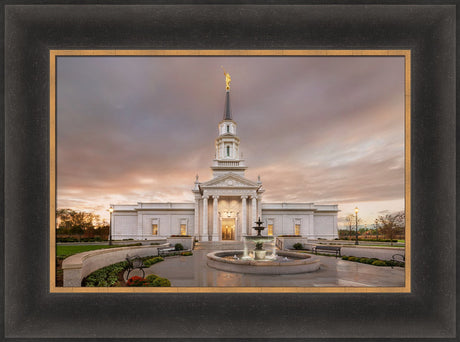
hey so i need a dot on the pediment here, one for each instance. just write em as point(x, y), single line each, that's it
point(230, 180)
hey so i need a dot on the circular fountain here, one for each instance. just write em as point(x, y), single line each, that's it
point(260, 256)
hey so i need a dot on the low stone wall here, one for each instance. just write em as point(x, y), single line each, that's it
point(78, 266)
point(187, 242)
point(285, 243)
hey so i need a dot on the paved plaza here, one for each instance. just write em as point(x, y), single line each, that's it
point(185, 271)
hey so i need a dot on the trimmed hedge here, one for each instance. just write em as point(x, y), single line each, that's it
point(374, 261)
point(151, 261)
point(106, 276)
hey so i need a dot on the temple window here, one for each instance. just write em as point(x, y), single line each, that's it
point(270, 230)
point(155, 224)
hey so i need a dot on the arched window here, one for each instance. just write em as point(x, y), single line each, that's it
point(228, 128)
point(228, 151)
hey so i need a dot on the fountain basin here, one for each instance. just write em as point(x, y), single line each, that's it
point(296, 263)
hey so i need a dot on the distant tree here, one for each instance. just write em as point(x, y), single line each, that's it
point(76, 222)
point(350, 221)
point(392, 224)
point(351, 224)
point(376, 227)
point(343, 233)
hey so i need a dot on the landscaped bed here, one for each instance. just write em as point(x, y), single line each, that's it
point(374, 261)
point(113, 276)
point(363, 260)
point(63, 252)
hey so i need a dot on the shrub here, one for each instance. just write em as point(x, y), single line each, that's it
point(178, 247)
point(363, 260)
point(344, 257)
point(352, 258)
point(259, 246)
point(186, 253)
point(106, 276)
point(151, 277)
point(379, 263)
point(160, 282)
point(151, 261)
point(297, 245)
point(137, 281)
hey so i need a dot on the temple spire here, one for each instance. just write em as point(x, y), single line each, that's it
point(227, 108)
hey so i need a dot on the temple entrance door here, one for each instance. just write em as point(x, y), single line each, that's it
point(228, 229)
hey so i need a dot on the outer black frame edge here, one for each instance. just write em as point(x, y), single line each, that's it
point(31, 313)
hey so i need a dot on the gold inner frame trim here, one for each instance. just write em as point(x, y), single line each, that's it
point(53, 54)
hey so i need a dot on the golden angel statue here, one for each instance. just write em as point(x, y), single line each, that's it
point(227, 78)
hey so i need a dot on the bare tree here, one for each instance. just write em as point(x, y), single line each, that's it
point(376, 226)
point(390, 225)
point(350, 220)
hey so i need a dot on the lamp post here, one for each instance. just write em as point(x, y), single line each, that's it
point(356, 216)
point(110, 226)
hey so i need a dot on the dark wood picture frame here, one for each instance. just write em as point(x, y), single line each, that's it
point(32, 312)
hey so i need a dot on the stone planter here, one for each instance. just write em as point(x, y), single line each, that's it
point(285, 243)
point(259, 254)
point(185, 241)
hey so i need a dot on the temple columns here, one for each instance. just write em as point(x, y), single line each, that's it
point(254, 212)
point(205, 218)
point(215, 217)
point(244, 217)
point(197, 217)
point(259, 207)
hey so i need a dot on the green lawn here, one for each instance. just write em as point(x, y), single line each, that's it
point(66, 251)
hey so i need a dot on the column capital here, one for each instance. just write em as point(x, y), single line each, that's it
point(205, 197)
point(215, 196)
point(244, 197)
point(253, 197)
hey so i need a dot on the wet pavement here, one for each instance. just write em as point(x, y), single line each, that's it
point(185, 271)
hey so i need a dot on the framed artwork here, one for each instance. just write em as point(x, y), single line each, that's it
point(83, 108)
point(36, 36)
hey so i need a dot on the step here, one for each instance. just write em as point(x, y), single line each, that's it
point(219, 245)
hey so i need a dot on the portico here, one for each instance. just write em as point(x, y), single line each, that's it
point(228, 205)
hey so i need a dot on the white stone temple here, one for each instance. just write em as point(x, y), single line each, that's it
point(225, 206)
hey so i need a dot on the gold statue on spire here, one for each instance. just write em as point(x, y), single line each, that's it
point(227, 78)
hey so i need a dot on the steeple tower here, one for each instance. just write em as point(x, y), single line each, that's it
point(227, 143)
point(227, 108)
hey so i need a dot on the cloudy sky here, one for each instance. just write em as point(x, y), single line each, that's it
point(328, 130)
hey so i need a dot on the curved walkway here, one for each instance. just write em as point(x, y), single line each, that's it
point(193, 271)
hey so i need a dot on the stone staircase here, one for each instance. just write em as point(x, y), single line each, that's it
point(218, 245)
